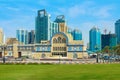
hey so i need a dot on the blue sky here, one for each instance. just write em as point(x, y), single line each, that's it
point(80, 14)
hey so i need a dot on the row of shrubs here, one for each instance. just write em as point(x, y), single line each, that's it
point(26, 63)
point(35, 63)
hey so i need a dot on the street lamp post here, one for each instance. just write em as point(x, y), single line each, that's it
point(96, 48)
point(4, 48)
point(59, 58)
point(97, 58)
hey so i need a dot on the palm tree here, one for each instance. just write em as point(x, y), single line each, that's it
point(113, 50)
point(106, 49)
point(117, 50)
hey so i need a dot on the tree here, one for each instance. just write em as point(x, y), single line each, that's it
point(106, 49)
point(117, 49)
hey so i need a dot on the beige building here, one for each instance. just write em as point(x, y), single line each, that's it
point(11, 41)
point(61, 45)
point(1, 36)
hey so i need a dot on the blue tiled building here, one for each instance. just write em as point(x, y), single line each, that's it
point(77, 34)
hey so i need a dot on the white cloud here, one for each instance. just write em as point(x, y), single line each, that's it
point(10, 26)
point(75, 11)
point(88, 8)
point(13, 8)
point(43, 3)
point(102, 12)
point(80, 9)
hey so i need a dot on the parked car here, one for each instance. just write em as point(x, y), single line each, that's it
point(106, 57)
point(117, 58)
point(112, 58)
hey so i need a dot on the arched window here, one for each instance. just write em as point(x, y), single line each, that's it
point(57, 48)
point(54, 40)
point(60, 48)
point(53, 48)
point(63, 40)
point(59, 40)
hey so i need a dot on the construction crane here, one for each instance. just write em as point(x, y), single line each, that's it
point(105, 31)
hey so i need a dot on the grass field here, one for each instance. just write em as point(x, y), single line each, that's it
point(60, 72)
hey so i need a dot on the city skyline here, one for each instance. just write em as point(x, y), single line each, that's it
point(79, 14)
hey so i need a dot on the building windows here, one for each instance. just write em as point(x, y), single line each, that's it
point(37, 49)
point(63, 54)
point(54, 40)
point(59, 48)
point(59, 40)
point(63, 40)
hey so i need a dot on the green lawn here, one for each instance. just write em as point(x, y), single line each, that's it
point(60, 72)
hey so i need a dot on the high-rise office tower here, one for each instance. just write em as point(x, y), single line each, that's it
point(117, 30)
point(108, 40)
point(53, 28)
point(77, 34)
point(94, 39)
point(44, 28)
point(22, 36)
point(62, 23)
point(1, 36)
point(31, 37)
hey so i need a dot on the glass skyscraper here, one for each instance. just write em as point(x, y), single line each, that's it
point(31, 37)
point(117, 30)
point(108, 40)
point(22, 36)
point(53, 28)
point(77, 35)
point(44, 28)
point(95, 39)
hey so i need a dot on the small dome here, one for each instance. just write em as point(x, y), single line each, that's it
point(77, 31)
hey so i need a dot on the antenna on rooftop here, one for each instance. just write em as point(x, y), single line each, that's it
point(109, 32)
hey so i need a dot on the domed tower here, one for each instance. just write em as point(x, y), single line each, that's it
point(77, 34)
